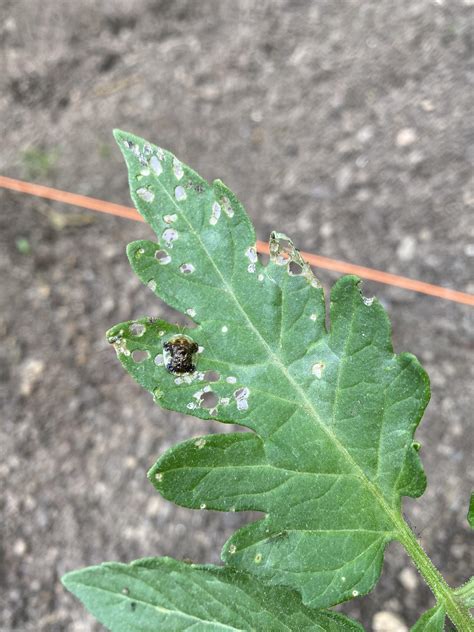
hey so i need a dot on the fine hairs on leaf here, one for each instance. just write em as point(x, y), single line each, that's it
point(431, 621)
point(330, 412)
point(164, 594)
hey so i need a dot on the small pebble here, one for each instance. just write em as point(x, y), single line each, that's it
point(326, 229)
point(130, 462)
point(19, 547)
point(343, 178)
point(408, 578)
point(31, 373)
point(405, 137)
point(387, 622)
point(153, 506)
point(406, 248)
point(427, 105)
point(365, 134)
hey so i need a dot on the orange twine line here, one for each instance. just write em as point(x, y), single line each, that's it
point(119, 210)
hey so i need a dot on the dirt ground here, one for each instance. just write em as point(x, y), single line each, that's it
point(342, 123)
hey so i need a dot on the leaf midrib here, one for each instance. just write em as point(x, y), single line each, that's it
point(166, 611)
point(276, 360)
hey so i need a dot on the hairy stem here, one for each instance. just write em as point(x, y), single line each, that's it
point(456, 611)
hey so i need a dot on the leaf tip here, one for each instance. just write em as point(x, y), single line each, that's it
point(70, 580)
point(125, 140)
point(119, 134)
point(155, 476)
point(137, 249)
point(133, 249)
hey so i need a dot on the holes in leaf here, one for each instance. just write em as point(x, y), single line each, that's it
point(177, 169)
point(162, 257)
point(187, 268)
point(294, 268)
point(227, 206)
point(283, 255)
point(180, 193)
point(317, 369)
point(209, 400)
point(155, 164)
point(170, 235)
point(146, 194)
point(215, 213)
point(188, 323)
point(281, 249)
point(241, 393)
point(264, 258)
point(137, 329)
point(285, 245)
point(139, 355)
point(211, 376)
point(251, 254)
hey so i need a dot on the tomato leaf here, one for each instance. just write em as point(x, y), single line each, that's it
point(164, 594)
point(431, 621)
point(465, 593)
point(332, 412)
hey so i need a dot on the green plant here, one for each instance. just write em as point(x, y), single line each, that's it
point(23, 245)
point(39, 162)
point(331, 413)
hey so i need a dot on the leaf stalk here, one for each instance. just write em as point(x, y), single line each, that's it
point(457, 612)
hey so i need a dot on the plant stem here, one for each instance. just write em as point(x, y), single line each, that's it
point(456, 611)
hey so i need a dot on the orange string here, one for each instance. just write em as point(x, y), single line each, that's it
point(379, 276)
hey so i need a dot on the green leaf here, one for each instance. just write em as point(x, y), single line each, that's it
point(465, 593)
point(164, 594)
point(470, 513)
point(431, 621)
point(332, 413)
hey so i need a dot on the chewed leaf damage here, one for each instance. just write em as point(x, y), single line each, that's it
point(332, 412)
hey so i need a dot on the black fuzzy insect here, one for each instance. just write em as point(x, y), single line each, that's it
point(180, 350)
